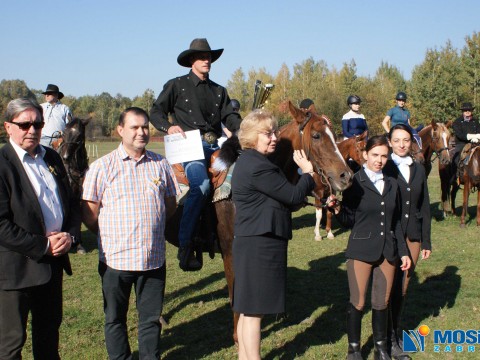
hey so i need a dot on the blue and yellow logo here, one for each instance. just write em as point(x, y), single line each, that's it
point(414, 340)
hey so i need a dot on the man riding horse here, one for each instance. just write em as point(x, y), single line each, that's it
point(467, 131)
point(194, 102)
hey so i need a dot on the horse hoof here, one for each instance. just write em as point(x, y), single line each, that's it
point(462, 226)
point(330, 235)
point(318, 238)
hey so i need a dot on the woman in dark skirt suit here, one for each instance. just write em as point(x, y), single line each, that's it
point(415, 221)
point(371, 208)
point(262, 197)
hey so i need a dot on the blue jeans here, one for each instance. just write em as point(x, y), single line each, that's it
point(197, 174)
point(149, 290)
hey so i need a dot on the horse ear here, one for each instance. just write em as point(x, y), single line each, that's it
point(363, 135)
point(86, 121)
point(434, 124)
point(296, 113)
point(449, 124)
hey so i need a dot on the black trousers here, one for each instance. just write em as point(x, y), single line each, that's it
point(149, 290)
point(44, 302)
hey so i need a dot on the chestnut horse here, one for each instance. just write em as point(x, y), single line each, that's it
point(351, 148)
point(307, 131)
point(435, 144)
point(471, 182)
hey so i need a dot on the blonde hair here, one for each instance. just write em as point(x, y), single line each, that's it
point(255, 122)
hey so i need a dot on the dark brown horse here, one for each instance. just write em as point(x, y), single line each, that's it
point(351, 150)
point(436, 141)
point(471, 182)
point(307, 131)
point(71, 148)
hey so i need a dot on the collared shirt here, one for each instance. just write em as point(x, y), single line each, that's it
point(376, 178)
point(398, 115)
point(132, 209)
point(403, 164)
point(194, 104)
point(56, 117)
point(44, 185)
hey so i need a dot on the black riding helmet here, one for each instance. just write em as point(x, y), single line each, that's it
point(353, 99)
point(235, 104)
point(401, 96)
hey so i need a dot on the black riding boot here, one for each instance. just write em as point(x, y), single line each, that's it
point(188, 261)
point(354, 327)
point(379, 326)
point(395, 334)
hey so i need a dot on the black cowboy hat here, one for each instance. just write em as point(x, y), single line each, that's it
point(466, 106)
point(197, 46)
point(53, 89)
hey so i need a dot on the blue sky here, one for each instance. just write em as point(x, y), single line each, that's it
point(87, 46)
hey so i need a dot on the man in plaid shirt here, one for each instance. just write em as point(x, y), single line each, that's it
point(127, 197)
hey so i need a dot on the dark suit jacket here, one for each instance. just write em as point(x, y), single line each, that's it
point(415, 200)
point(22, 228)
point(373, 218)
point(461, 129)
point(262, 196)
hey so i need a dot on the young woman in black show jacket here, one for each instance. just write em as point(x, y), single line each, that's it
point(371, 208)
point(415, 221)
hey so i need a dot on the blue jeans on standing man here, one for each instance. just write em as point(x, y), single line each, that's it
point(197, 174)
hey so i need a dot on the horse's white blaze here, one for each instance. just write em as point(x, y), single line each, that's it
point(330, 134)
point(444, 137)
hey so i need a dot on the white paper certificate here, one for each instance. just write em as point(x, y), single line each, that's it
point(179, 149)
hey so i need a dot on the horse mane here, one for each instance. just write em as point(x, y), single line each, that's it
point(228, 154)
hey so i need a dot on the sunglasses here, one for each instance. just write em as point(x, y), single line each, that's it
point(37, 125)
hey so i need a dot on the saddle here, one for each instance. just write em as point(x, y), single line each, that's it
point(222, 163)
point(465, 157)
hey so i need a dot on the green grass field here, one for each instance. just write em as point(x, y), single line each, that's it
point(443, 295)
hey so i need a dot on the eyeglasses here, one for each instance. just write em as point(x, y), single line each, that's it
point(270, 134)
point(37, 125)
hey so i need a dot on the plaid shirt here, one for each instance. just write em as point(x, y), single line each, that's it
point(132, 211)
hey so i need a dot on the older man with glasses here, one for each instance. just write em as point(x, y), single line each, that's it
point(37, 215)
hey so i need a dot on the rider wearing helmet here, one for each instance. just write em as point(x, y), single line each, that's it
point(353, 122)
point(235, 105)
point(400, 115)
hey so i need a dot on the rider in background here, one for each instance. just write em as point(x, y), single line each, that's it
point(56, 115)
point(353, 122)
point(400, 115)
point(466, 129)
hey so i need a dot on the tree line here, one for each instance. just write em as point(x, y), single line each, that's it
point(446, 78)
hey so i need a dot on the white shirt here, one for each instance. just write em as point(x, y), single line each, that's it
point(45, 187)
point(376, 178)
point(403, 164)
point(56, 117)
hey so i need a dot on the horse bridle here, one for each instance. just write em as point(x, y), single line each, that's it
point(434, 141)
point(317, 169)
